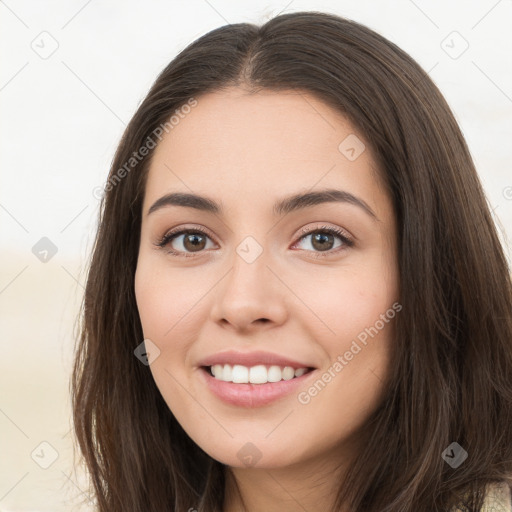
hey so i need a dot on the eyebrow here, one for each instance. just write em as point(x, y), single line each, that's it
point(288, 204)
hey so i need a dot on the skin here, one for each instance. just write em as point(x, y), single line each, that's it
point(247, 151)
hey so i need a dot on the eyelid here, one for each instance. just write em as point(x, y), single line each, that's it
point(325, 227)
point(175, 232)
point(348, 241)
point(343, 235)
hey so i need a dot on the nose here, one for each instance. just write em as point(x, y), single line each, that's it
point(250, 296)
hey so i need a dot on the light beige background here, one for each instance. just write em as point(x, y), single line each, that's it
point(62, 117)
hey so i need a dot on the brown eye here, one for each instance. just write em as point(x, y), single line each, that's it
point(194, 242)
point(186, 241)
point(323, 240)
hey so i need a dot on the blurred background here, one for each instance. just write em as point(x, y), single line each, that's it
point(73, 73)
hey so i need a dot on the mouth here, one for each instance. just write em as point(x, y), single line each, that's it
point(254, 386)
point(259, 374)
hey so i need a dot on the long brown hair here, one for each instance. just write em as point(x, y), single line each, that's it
point(451, 374)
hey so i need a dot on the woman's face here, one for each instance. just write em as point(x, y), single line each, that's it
point(265, 281)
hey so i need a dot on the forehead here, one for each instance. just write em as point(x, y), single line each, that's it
point(252, 145)
point(262, 120)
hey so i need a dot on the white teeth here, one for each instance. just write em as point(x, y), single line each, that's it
point(217, 370)
point(274, 374)
point(259, 374)
point(300, 371)
point(227, 373)
point(288, 373)
point(240, 374)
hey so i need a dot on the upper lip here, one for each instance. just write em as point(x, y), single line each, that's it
point(251, 359)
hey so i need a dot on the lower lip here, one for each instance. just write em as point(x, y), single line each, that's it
point(252, 395)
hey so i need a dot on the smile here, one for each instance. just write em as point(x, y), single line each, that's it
point(249, 394)
point(260, 374)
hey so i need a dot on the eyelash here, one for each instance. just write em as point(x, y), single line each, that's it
point(168, 237)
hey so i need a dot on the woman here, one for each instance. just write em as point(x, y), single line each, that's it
point(297, 298)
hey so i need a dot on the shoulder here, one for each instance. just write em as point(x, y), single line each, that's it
point(498, 498)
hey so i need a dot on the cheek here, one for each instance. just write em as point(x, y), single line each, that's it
point(346, 302)
point(171, 305)
point(164, 299)
point(356, 307)
point(358, 344)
